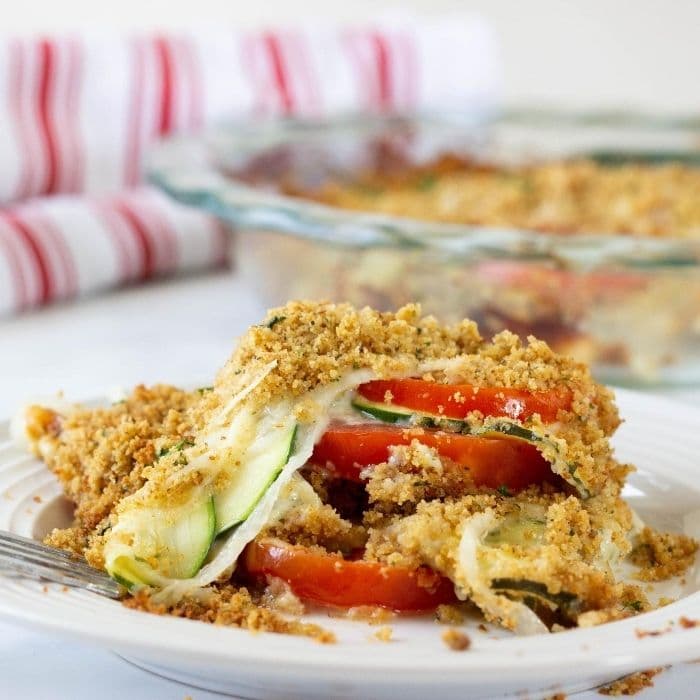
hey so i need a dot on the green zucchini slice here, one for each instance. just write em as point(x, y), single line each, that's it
point(496, 427)
point(384, 413)
point(163, 542)
point(523, 529)
point(519, 530)
point(253, 477)
point(525, 589)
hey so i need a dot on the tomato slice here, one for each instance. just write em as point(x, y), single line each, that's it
point(554, 283)
point(329, 579)
point(458, 400)
point(493, 462)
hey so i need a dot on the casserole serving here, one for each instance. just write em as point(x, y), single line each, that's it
point(356, 459)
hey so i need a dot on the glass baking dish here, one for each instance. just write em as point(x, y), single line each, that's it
point(629, 305)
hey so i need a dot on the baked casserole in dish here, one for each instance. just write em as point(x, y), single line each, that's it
point(581, 230)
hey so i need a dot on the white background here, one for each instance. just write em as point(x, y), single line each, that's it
point(578, 52)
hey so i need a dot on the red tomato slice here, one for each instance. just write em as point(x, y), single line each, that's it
point(458, 400)
point(546, 280)
point(329, 579)
point(492, 462)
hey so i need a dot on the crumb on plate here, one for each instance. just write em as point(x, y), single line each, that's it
point(384, 634)
point(456, 640)
point(632, 684)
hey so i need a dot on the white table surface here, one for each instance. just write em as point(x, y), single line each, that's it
point(177, 331)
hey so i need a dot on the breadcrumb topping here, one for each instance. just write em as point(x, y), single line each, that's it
point(632, 684)
point(449, 615)
point(415, 473)
point(562, 197)
point(552, 547)
point(662, 555)
point(100, 455)
point(234, 607)
point(313, 344)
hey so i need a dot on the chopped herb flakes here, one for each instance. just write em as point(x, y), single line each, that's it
point(177, 447)
point(274, 321)
point(427, 182)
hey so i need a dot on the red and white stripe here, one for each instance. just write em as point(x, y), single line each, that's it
point(13, 175)
point(41, 98)
point(124, 252)
point(34, 262)
point(55, 249)
point(136, 124)
point(386, 68)
point(79, 114)
point(22, 115)
point(15, 291)
point(191, 95)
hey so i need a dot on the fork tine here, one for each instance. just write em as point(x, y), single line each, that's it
point(45, 554)
point(48, 556)
point(105, 587)
point(24, 542)
point(60, 566)
point(39, 571)
point(22, 556)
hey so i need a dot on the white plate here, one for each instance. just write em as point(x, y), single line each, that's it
point(662, 438)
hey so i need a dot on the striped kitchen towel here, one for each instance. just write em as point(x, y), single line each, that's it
point(79, 113)
point(59, 247)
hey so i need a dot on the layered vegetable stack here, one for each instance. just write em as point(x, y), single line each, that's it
point(363, 459)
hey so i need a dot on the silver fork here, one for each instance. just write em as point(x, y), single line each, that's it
point(27, 558)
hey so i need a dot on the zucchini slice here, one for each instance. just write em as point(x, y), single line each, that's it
point(253, 477)
point(496, 427)
point(241, 460)
point(473, 577)
point(525, 589)
point(526, 530)
point(384, 413)
point(550, 448)
point(161, 543)
point(490, 570)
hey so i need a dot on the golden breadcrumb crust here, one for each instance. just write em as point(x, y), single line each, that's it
point(314, 344)
point(415, 473)
point(563, 197)
point(321, 525)
point(566, 561)
point(99, 455)
point(632, 684)
point(661, 555)
point(231, 606)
